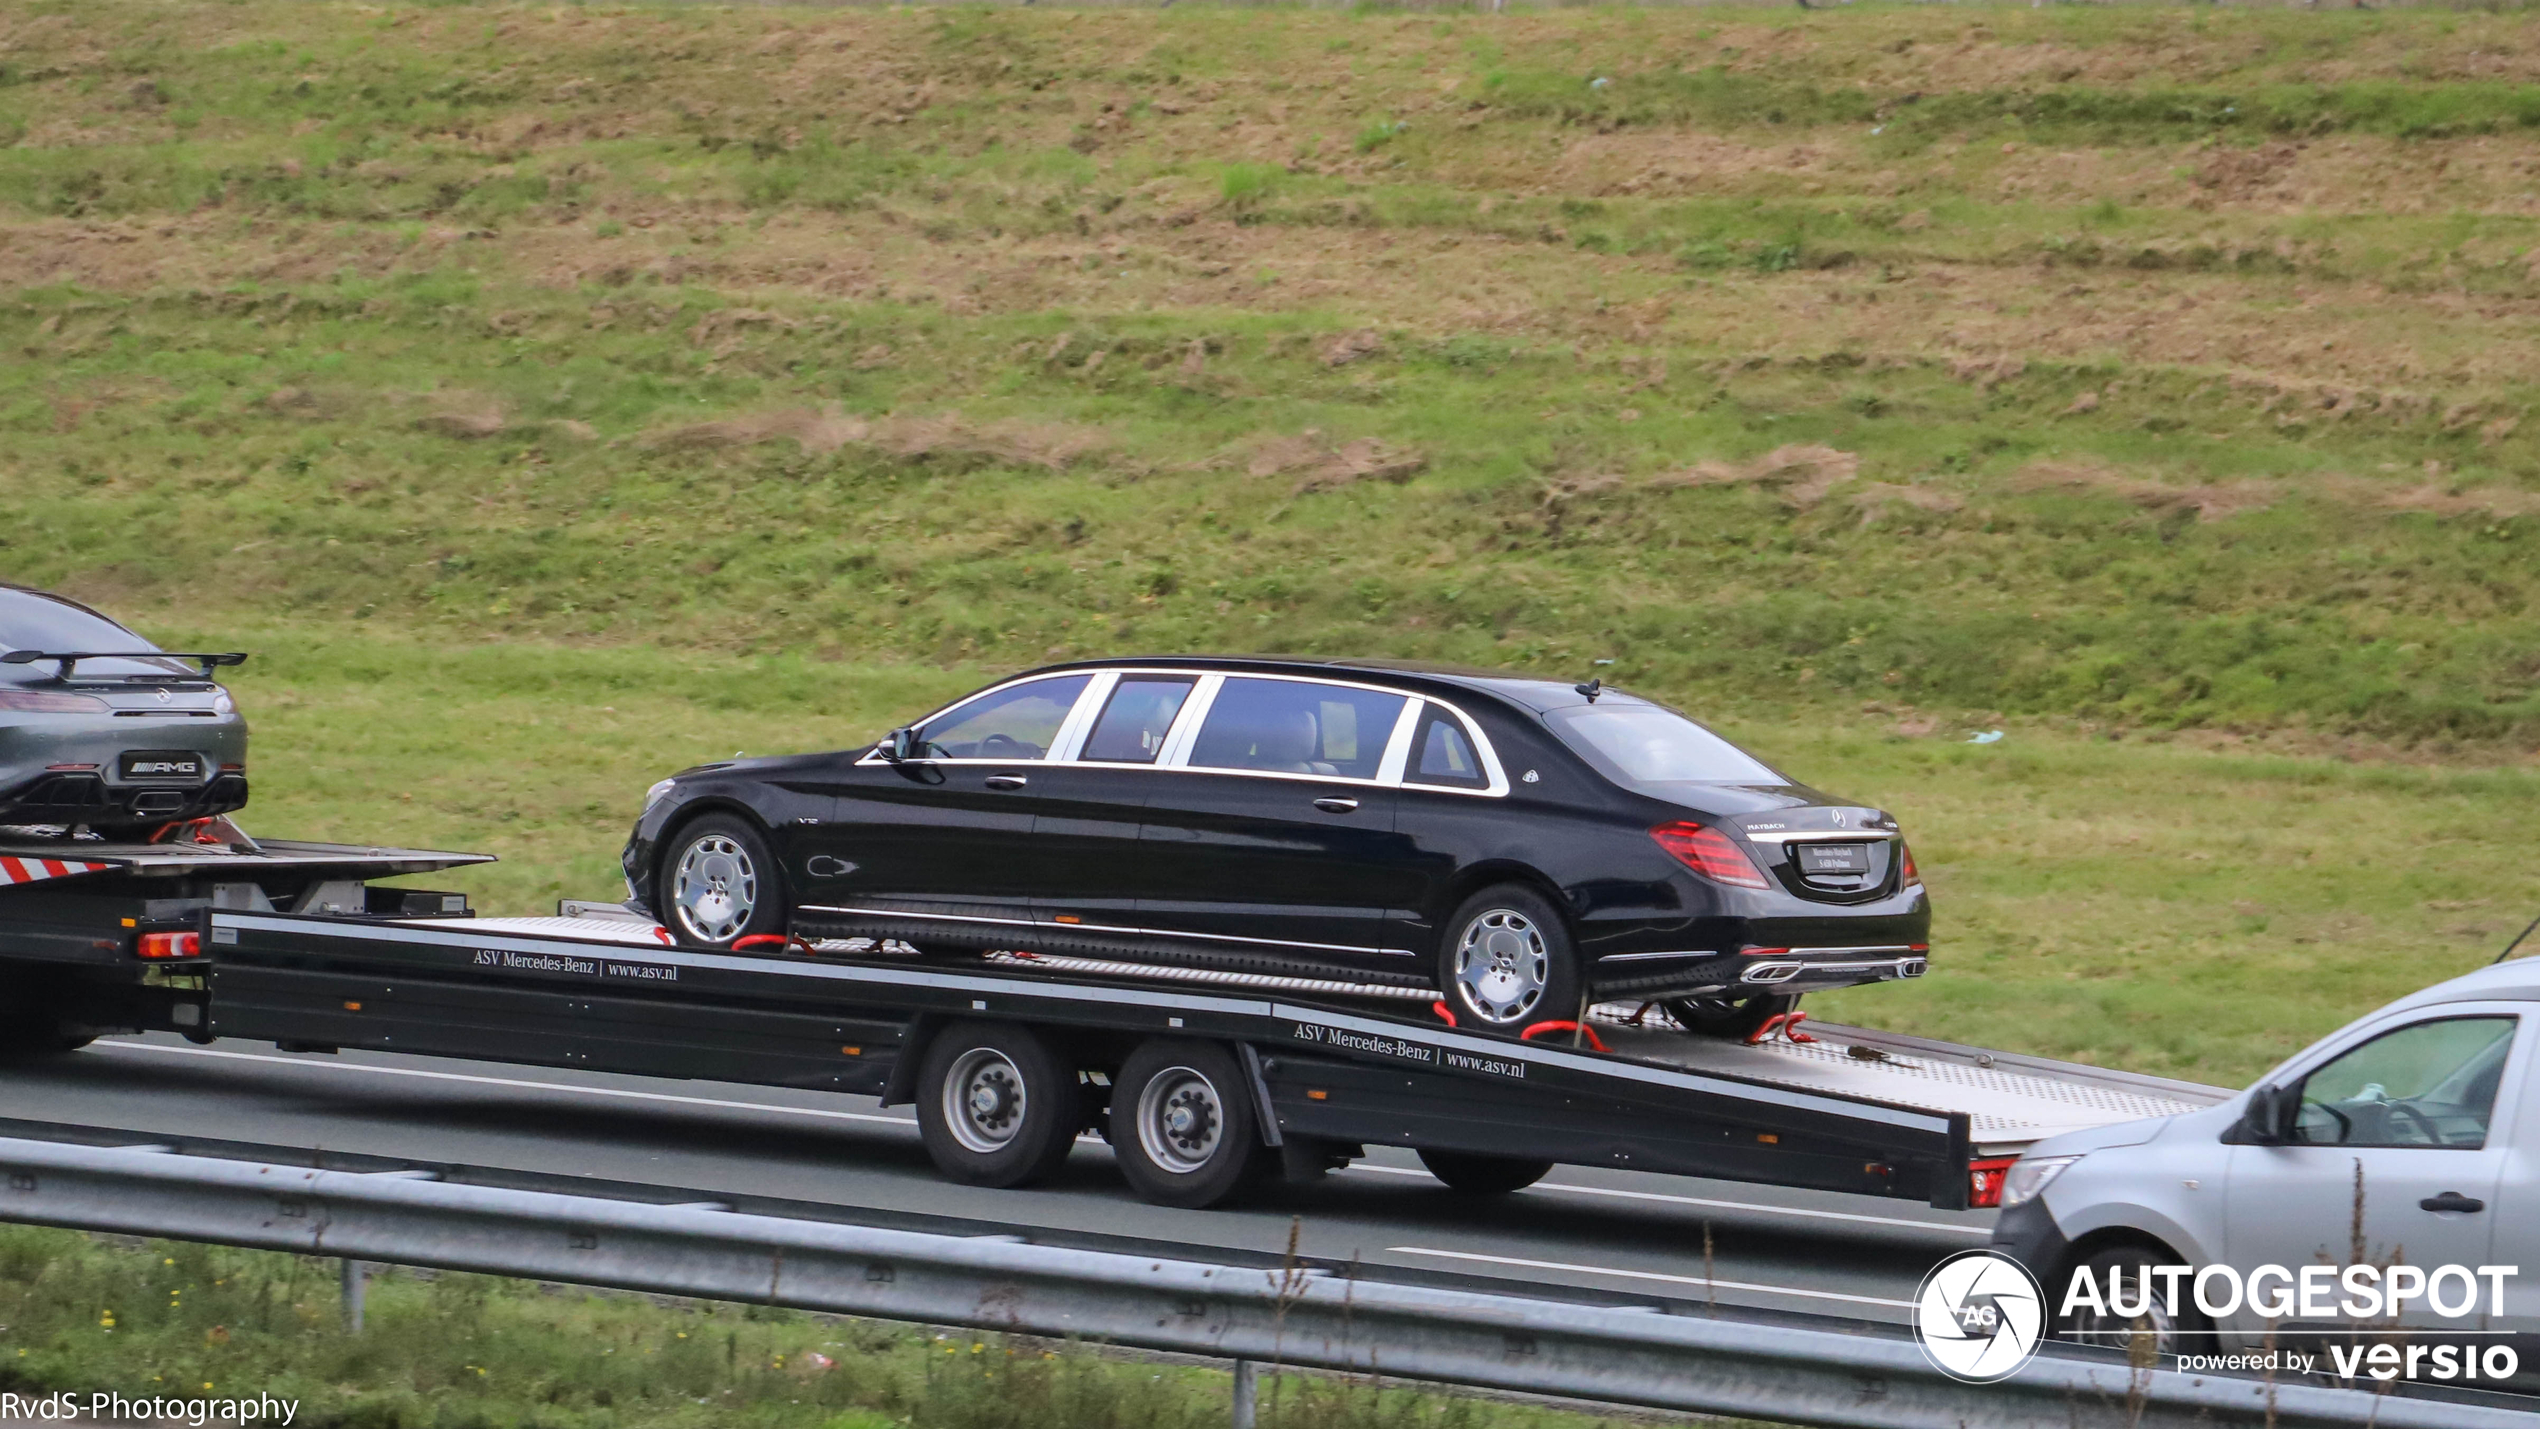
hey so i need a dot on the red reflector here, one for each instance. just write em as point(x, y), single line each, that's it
point(1755, 952)
point(1912, 875)
point(69, 768)
point(1708, 852)
point(170, 945)
point(1984, 1182)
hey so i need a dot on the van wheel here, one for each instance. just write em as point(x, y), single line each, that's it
point(720, 883)
point(1506, 963)
point(995, 1106)
point(1483, 1175)
point(1736, 1019)
point(2154, 1332)
point(1182, 1125)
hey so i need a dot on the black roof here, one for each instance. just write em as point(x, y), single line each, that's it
point(1533, 692)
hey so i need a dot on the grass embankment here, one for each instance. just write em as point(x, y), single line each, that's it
point(474, 1352)
point(2152, 366)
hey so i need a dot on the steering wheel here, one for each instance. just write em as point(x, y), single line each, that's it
point(2424, 1123)
point(1005, 746)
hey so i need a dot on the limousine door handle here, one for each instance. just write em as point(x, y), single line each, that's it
point(1006, 781)
point(1337, 806)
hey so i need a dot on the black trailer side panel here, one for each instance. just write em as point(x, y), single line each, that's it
point(788, 1019)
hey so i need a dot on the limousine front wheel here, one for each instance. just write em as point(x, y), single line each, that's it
point(1506, 962)
point(720, 883)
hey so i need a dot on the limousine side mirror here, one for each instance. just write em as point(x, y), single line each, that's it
point(2269, 1118)
point(900, 745)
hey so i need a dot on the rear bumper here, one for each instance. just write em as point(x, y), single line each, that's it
point(1780, 970)
point(86, 798)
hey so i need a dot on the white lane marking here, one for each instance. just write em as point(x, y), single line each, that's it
point(534, 1086)
point(1621, 1194)
point(1646, 1275)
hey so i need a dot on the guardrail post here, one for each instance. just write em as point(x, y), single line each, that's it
point(356, 1282)
point(1247, 1393)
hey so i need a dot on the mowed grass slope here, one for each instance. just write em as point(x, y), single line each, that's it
point(2152, 366)
point(556, 396)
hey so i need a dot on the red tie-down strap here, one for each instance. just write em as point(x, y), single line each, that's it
point(1786, 1024)
point(1579, 1027)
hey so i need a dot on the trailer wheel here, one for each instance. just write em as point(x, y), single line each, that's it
point(1182, 1124)
point(719, 883)
point(1471, 1175)
point(31, 1024)
point(995, 1106)
point(1505, 961)
point(1731, 1018)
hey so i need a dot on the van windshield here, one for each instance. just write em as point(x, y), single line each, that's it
point(1639, 743)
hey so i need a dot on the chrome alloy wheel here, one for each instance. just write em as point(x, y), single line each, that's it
point(716, 889)
point(984, 1100)
point(1503, 965)
point(1180, 1120)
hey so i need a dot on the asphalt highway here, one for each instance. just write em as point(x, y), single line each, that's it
point(1608, 1233)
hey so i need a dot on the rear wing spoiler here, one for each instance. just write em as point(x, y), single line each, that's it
point(63, 660)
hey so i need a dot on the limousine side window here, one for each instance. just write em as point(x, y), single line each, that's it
point(1441, 753)
point(1293, 727)
point(1017, 722)
point(1134, 720)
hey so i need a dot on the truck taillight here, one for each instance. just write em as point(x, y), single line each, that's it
point(1708, 852)
point(170, 945)
point(1984, 1182)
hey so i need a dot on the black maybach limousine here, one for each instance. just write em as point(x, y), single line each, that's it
point(1524, 846)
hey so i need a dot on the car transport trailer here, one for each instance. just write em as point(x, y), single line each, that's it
point(1204, 1083)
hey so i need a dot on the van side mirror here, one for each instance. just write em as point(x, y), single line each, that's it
point(899, 745)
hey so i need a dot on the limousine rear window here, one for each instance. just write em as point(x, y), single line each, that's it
point(1134, 720)
point(1017, 722)
point(1442, 754)
point(1292, 727)
point(1645, 744)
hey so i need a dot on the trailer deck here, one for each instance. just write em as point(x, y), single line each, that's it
point(295, 948)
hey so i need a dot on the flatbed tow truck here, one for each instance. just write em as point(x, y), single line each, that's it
point(1205, 1083)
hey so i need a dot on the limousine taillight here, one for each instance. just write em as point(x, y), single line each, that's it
point(1709, 852)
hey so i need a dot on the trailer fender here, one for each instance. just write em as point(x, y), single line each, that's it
point(1263, 1112)
point(900, 1088)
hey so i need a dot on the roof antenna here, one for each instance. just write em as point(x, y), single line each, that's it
point(2517, 942)
point(1591, 689)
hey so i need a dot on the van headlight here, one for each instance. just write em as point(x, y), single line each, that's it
point(2030, 1176)
point(656, 794)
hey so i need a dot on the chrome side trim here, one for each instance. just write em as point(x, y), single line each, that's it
point(1080, 720)
point(1037, 925)
point(1389, 769)
point(1646, 957)
point(1840, 836)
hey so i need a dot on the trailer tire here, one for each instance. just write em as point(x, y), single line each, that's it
point(1470, 1175)
point(1183, 1127)
point(1720, 1017)
point(720, 883)
point(996, 1106)
point(1505, 961)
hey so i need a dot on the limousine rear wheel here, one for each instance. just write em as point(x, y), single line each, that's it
point(1506, 962)
point(1182, 1124)
point(995, 1106)
point(719, 883)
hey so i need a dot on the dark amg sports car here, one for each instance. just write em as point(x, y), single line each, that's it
point(100, 729)
point(1524, 846)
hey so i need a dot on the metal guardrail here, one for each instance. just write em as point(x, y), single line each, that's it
point(1303, 1318)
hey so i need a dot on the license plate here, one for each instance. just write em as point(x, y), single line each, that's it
point(161, 766)
point(1834, 858)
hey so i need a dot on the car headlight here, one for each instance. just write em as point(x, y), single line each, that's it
point(656, 794)
point(2030, 1176)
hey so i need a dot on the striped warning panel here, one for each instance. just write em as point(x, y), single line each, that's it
point(35, 870)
